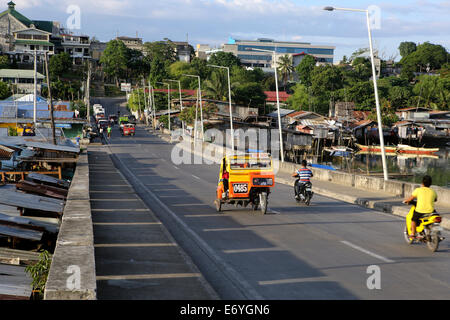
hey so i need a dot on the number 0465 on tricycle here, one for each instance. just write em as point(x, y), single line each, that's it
point(245, 179)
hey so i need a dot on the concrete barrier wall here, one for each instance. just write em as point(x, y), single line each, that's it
point(394, 187)
point(72, 272)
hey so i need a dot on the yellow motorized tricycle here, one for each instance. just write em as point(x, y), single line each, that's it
point(245, 179)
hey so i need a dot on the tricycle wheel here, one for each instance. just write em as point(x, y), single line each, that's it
point(218, 204)
point(263, 202)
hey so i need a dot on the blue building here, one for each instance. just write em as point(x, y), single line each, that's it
point(243, 49)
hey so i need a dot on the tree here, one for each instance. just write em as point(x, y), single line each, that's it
point(114, 59)
point(285, 68)
point(164, 51)
point(58, 64)
point(241, 75)
point(406, 48)
point(427, 55)
point(224, 59)
point(5, 90)
point(300, 100)
point(158, 71)
point(216, 87)
point(4, 62)
point(249, 94)
point(325, 81)
point(388, 116)
point(399, 96)
point(137, 65)
point(305, 68)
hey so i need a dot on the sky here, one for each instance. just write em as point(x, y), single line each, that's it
point(214, 21)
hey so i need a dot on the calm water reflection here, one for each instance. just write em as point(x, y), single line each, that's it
point(412, 167)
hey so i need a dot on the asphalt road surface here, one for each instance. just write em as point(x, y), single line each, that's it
point(329, 250)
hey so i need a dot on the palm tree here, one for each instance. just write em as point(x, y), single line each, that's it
point(285, 68)
point(216, 87)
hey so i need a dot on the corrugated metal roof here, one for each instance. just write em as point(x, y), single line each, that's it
point(19, 73)
point(48, 146)
point(29, 201)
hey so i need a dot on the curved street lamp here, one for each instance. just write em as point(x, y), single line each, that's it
point(375, 87)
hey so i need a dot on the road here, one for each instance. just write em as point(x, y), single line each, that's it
point(324, 251)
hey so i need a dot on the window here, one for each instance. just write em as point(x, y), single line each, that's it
point(31, 47)
point(39, 37)
point(23, 36)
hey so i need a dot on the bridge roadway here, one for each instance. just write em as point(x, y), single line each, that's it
point(323, 251)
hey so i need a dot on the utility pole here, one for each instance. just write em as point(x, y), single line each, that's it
point(88, 92)
point(35, 91)
point(52, 119)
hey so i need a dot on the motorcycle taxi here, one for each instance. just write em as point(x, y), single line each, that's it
point(245, 179)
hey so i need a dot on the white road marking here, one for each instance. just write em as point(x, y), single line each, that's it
point(196, 177)
point(149, 276)
point(176, 167)
point(296, 280)
point(253, 250)
point(367, 252)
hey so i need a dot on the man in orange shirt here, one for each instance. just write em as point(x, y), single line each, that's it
point(426, 197)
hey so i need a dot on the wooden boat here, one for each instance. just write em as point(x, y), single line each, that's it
point(403, 148)
point(374, 149)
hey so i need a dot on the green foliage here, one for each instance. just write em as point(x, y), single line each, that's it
point(4, 62)
point(285, 68)
point(12, 131)
point(249, 94)
point(80, 106)
point(5, 90)
point(59, 63)
point(224, 59)
point(388, 116)
point(188, 114)
point(427, 55)
point(158, 71)
point(164, 51)
point(217, 86)
point(406, 48)
point(136, 100)
point(114, 59)
point(300, 100)
point(39, 272)
point(305, 68)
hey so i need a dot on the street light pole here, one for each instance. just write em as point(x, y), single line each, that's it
point(168, 98)
point(375, 87)
point(229, 100)
point(181, 100)
point(199, 95)
point(278, 99)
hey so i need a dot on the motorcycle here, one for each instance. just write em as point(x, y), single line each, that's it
point(305, 195)
point(428, 231)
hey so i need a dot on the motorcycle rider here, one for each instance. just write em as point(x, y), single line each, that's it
point(426, 197)
point(304, 174)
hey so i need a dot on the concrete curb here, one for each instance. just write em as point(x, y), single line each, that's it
point(72, 272)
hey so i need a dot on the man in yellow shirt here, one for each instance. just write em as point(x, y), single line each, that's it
point(426, 198)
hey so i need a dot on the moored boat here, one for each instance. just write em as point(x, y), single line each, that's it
point(403, 148)
point(376, 148)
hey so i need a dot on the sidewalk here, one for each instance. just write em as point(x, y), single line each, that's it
point(380, 201)
point(135, 256)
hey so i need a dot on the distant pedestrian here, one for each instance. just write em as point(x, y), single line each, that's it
point(109, 131)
